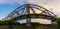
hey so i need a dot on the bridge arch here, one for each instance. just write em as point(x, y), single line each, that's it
point(29, 11)
point(34, 9)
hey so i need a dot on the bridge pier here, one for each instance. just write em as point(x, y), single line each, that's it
point(28, 20)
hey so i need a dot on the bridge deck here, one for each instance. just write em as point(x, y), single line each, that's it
point(41, 16)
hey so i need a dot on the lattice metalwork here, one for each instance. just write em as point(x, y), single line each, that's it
point(28, 11)
point(34, 9)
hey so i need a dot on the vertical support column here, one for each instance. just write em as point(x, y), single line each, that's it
point(28, 20)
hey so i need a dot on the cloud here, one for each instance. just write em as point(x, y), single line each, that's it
point(41, 21)
point(40, 2)
point(48, 4)
point(11, 1)
point(45, 3)
point(5, 1)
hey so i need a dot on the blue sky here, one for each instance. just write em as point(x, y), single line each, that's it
point(7, 6)
point(5, 9)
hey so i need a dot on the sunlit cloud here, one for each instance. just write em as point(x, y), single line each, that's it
point(52, 5)
point(41, 21)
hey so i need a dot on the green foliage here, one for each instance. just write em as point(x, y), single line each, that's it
point(9, 22)
point(58, 21)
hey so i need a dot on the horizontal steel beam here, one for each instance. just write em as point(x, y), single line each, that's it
point(42, 16)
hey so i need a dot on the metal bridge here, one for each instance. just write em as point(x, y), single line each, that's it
point(28, 11)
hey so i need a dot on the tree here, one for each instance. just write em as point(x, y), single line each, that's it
point(58, 21)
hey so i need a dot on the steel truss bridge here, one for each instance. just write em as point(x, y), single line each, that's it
point(29, 11)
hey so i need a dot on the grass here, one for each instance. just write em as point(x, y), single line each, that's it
point(12, 28)
point(18, 28)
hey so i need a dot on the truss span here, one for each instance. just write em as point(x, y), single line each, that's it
point(30, 10)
